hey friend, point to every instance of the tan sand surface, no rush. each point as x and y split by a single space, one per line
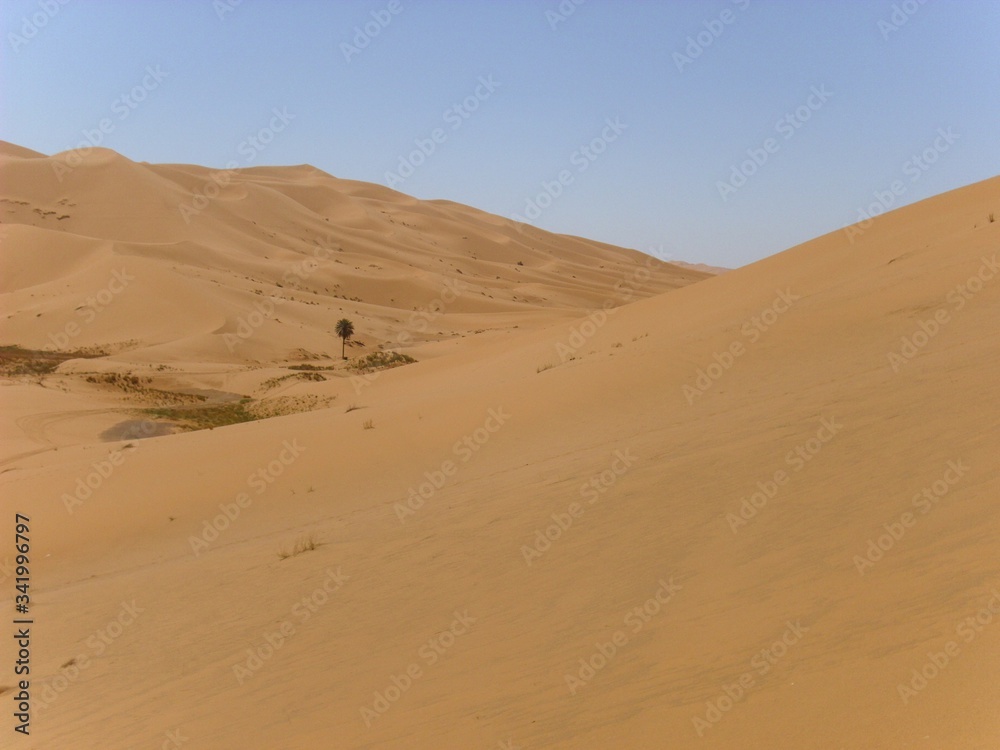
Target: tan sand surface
686 491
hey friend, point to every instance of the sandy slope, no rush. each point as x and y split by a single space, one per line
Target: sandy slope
432 626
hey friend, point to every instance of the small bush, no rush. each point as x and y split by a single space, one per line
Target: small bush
380 361
308 544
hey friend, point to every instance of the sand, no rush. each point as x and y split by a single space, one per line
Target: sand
751 503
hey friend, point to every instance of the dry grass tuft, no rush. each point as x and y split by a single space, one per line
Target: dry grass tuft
306 544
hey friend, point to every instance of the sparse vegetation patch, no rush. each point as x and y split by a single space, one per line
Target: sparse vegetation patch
16 360
275 381
204 417
380 361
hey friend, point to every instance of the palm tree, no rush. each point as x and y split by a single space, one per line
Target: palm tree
345 329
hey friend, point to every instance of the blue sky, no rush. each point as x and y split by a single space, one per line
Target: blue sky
720 131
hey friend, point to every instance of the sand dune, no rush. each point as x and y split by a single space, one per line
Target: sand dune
656 525
171 271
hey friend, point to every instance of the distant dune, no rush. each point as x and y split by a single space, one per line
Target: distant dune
217 241
189 278
714 270
757 511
